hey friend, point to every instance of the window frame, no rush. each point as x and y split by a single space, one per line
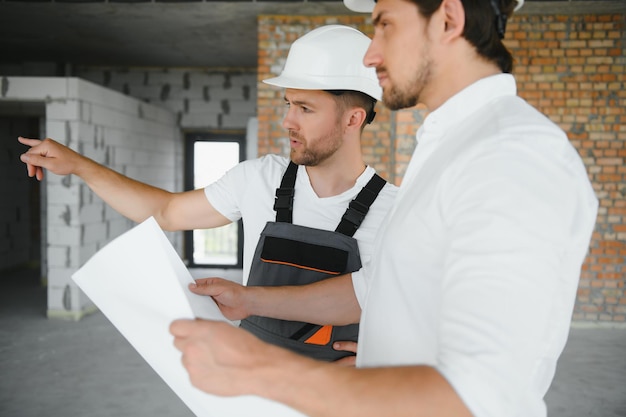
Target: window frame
237 136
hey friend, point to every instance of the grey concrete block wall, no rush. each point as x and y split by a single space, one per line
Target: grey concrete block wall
101 123
122 132
200 98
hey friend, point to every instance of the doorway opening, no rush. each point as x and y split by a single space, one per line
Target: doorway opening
22 224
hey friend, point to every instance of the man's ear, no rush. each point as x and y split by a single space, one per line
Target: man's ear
454 17
357 116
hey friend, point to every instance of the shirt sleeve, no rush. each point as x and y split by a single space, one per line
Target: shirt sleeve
225 193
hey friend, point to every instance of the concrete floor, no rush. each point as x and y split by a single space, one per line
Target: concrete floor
56 368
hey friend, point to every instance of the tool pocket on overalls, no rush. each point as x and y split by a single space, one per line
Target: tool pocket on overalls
315 262
296 255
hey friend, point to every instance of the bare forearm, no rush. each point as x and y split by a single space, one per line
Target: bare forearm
138 201
225 360
322 390
331 301
133 199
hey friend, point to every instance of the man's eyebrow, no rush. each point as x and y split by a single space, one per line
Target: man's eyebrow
376 19
297 102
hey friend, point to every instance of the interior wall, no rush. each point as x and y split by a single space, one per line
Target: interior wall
201 98
124 133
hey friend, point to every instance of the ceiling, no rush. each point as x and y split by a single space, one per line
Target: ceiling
179 34
174 33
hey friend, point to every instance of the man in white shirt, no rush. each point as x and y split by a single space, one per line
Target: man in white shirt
467 302
334 203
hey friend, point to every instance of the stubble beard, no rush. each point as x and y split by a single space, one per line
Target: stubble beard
324 147
406 95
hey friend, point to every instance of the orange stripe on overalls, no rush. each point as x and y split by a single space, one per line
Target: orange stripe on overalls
301 267
321 337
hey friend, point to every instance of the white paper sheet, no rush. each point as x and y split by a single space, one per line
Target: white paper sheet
139 283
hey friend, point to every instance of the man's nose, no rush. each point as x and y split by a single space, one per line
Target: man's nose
373 57
289 122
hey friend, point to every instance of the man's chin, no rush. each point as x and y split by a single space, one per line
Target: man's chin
395 104
394 100
295 158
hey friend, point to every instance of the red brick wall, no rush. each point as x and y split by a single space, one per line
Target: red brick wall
572 68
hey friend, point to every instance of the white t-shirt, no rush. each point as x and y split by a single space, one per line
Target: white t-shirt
476 268
248 190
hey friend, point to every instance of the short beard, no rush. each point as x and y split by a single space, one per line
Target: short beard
314 157
397 99
403 97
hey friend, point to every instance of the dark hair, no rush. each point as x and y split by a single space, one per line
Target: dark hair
351 98
485 23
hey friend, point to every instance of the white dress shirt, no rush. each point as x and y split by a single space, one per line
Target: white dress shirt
476 268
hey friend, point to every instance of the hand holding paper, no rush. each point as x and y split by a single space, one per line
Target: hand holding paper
140 284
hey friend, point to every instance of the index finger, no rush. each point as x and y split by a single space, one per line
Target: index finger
27 141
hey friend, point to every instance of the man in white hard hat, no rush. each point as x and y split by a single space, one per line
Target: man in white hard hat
316 212
470 292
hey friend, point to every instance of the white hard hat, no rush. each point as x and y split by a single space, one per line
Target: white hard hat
329 58
366 6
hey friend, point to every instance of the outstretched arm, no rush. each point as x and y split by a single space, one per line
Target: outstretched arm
227 361
131 198
331 301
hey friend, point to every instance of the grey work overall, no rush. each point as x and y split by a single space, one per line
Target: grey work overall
289 254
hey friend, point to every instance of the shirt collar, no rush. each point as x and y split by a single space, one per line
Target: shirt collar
466 101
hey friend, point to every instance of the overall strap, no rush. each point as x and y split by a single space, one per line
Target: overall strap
358 208
283 204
